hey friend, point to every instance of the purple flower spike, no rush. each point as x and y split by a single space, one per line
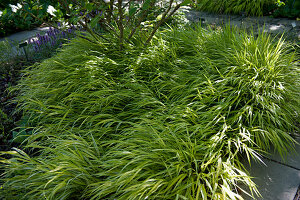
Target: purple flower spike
59 24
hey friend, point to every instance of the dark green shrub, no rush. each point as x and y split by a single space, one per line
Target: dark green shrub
23 16
290 9
163 122
5 3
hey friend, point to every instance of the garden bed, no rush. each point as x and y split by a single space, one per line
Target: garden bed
189 101
161 114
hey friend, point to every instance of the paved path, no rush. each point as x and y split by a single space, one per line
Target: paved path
272 25
24 35
291 28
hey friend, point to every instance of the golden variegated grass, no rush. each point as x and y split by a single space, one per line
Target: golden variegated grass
249 7
170 121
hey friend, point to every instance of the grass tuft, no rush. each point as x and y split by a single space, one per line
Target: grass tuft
249 7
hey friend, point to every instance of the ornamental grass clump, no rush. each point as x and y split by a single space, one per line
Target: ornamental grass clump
255 86
168 121
249 7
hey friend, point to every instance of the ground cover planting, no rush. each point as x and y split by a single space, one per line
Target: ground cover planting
171 120
13 61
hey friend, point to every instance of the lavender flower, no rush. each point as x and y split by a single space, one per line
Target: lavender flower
52 43
38 43
51 38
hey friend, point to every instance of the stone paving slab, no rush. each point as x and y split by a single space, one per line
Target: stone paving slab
276 181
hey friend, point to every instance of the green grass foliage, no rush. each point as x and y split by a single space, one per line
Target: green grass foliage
250 7
170 121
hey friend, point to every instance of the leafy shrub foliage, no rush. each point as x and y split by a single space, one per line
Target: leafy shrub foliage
290 9
169 121
20 16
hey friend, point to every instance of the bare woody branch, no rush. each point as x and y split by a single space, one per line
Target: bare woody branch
165 16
